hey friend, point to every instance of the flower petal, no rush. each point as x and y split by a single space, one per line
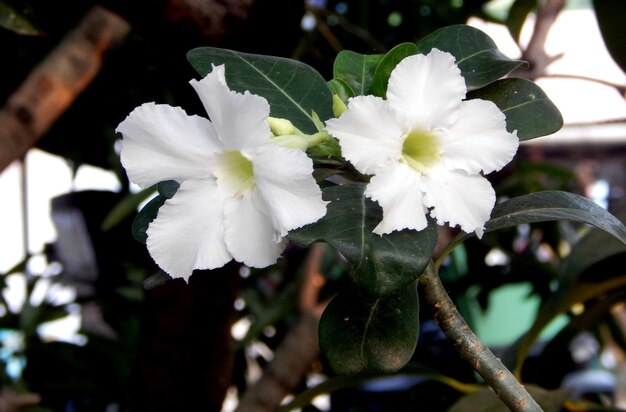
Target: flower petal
188 232
240 119
370 133
478 140
162 142
459 198
428 89
250 235
398 190
285 183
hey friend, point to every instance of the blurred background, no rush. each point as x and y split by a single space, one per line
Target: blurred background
87 323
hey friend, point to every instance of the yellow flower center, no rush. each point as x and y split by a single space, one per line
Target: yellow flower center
236 172
420 149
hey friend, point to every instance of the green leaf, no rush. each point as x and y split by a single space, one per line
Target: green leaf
293 89
357 70
546 206
358 333
155 280
611 16
387 64
145 216
165 190
477 55
341 89
12 20
517 16
381 264
554 205
586 253
526 107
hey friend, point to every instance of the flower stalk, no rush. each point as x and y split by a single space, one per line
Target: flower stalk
470 348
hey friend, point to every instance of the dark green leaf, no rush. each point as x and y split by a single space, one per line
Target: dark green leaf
526 107
477 55
554 205
547 206
357 70
586 253
293 89
517 16
611 16
381 264
358 333
145 216
157 279
12 20
387 64
167 188
341 89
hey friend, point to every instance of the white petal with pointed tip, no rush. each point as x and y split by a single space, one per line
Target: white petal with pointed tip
370 133
285 183
459 198
250 235
398 190
188 232
428 89
239 119
479 139
162 142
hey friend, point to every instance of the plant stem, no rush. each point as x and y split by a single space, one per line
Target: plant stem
507 388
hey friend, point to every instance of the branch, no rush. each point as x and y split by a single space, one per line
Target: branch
535 53
349 27
471 349
11 401
55 83
621 89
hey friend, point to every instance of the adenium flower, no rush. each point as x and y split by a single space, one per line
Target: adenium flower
239 195
426 147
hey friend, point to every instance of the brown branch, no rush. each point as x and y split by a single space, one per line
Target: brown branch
535 53
619 120
621 89
56 82
11 401
329 36
470 348
349 27
295 354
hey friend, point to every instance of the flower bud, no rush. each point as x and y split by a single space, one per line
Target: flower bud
291 141
338 106
280 126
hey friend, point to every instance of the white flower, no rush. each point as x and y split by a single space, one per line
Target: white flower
239 193
426 146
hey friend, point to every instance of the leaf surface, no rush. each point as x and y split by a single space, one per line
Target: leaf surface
293 89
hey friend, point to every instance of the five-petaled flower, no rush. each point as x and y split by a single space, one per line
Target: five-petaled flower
240 194
426 147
